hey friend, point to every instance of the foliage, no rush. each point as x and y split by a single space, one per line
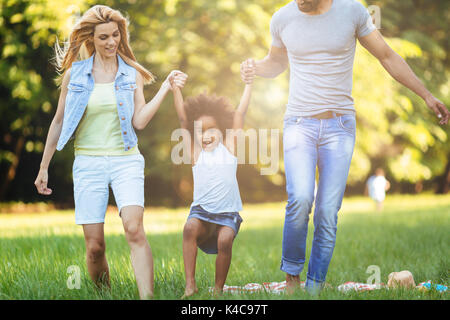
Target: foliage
208 40
28 30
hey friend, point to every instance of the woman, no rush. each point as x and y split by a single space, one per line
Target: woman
101 101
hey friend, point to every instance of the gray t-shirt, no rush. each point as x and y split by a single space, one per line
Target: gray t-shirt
321 50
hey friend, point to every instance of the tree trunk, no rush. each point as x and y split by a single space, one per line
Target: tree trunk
12 168
444 180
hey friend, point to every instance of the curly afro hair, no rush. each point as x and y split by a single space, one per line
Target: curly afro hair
210 105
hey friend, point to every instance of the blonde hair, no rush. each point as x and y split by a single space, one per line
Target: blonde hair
81 46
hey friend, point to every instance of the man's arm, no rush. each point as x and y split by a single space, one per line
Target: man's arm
400 71
271 66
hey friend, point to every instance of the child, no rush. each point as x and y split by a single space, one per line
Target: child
376 188
214 218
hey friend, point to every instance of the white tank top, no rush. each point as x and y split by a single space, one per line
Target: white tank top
215 184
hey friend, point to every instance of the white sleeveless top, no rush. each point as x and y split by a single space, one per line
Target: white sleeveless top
215 184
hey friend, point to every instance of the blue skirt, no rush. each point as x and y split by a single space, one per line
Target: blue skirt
229 219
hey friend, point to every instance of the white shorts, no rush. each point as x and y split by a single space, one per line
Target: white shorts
92 176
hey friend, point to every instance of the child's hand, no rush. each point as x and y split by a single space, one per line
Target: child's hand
176 79
248 71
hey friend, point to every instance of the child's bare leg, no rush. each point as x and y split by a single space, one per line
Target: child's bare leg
225 237
379 206
194 229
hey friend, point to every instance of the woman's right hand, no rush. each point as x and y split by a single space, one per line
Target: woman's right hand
41 182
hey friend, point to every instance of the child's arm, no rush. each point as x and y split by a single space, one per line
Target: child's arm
239 114
181 112
179 107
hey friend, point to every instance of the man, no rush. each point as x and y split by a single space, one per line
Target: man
317 38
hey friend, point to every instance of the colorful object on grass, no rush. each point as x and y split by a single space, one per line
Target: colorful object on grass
358 286
425 286
280 287
269 287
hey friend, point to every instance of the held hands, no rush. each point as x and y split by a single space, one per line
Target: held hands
176 79
41 183
248 71
439 109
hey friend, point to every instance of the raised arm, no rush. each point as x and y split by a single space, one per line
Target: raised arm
182 117
179 107
52 139
144 112
241 110
400 71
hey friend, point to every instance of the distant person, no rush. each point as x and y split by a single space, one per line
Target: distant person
376 187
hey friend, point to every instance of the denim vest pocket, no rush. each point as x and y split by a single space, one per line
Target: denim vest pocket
77 87
128 86
75 92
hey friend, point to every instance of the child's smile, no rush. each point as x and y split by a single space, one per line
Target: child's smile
207 141
207 132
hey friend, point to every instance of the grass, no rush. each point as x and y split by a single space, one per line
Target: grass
412 233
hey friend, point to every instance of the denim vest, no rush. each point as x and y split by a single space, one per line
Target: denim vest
79 90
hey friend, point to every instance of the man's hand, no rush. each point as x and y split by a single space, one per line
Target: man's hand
438 108
248 71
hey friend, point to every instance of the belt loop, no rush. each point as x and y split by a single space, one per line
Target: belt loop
334 114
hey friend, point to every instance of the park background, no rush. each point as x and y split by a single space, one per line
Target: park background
208 40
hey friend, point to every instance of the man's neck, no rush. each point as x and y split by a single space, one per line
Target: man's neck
322 7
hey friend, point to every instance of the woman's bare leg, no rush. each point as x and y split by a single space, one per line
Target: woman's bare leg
95 254
194 230
225 237
141 253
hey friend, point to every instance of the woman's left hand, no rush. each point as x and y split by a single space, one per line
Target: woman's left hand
176 78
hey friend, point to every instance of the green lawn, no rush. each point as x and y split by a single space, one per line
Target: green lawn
412 233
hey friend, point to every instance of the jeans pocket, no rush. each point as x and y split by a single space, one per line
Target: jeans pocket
290 138
293 120
347 123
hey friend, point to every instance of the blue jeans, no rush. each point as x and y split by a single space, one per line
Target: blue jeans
307 143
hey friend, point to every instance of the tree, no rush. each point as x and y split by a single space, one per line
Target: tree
28 31
208 40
